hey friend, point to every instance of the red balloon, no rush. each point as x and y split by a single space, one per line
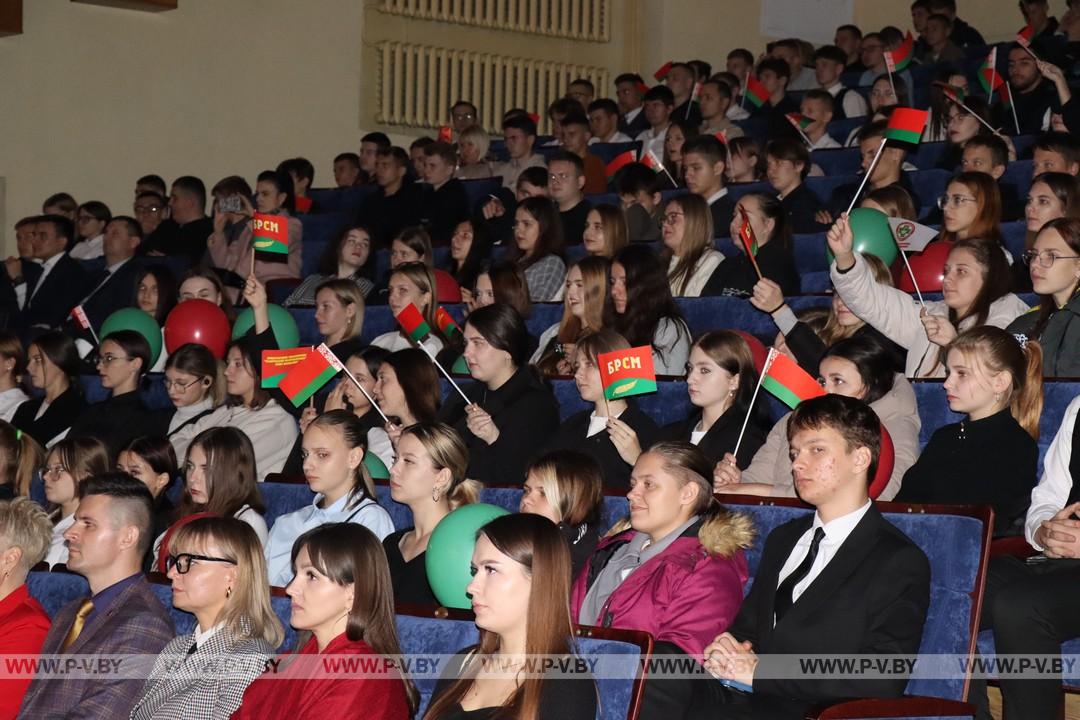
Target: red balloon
928 268
886 460
200 322
757 349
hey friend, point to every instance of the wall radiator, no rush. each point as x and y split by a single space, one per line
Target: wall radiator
571 19
419 83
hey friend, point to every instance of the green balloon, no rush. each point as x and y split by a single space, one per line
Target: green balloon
873 235
376 468
281 322
460 366
139 321
450 549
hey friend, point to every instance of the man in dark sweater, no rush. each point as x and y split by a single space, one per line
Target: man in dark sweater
566 181
1034 97
774 74
787 167
396 204
185 233
963 35
446 203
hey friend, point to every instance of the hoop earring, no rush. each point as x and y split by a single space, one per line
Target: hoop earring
228 592
436 494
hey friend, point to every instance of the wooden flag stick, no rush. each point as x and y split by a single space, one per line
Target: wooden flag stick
866 177
973 114
445 374
360 387
657 160
1012 106
753 398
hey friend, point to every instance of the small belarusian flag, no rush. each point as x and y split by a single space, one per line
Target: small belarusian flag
270 234
376 468
953 92
756 92
901 57
696 91
446 134
618 163
1024 36
663 71
79 316
276 364
535 117
989 77
749 240
790 384
627 372
303 204
799 120
642 88
413 323
911 236
307 377
906 125
446 323
721 136
652 162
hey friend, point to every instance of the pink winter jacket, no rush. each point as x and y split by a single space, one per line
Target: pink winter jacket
686 595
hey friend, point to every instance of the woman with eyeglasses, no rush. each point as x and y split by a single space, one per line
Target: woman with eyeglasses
68 463
123 360
975 288
1054 265
961 126
90 221
218 575
53 364
687 234
195 385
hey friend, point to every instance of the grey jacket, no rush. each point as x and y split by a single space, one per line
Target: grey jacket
1060 339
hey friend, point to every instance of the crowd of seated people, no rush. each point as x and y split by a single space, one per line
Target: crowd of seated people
99 479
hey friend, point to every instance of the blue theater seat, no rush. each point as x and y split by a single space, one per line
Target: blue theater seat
839 130
927 155
319 231
1014 234
479 190
840 161
340 200
1018 174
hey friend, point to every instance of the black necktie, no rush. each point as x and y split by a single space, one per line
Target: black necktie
783 601
191 650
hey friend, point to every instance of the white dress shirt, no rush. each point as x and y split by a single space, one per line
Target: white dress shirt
1052 492
836 532
58 552
651 140
616 137
10 400
89 249
854 103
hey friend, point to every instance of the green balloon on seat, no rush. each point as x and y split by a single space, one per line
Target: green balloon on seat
139 321
376 468
873 235
450 549
281 322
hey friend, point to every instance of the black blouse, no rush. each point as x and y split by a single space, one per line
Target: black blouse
614 470
722 436
408 577
57 418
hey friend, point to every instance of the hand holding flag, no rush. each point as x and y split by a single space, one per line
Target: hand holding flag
905 125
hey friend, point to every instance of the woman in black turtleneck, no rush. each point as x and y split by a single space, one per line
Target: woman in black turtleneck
511 412
991 456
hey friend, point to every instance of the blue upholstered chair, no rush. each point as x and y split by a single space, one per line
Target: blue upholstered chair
620 653
319 231
281 498
340 200
838 161
957 541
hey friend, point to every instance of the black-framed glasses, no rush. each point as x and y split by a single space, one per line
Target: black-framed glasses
181 386
182 562
1045 258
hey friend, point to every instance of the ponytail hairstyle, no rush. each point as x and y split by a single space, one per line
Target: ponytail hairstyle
448 452
1069 229
995 350
354 434
20 458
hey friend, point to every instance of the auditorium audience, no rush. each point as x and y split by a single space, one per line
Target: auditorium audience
413 244
24 539
195 386
341 596
605 231
412 283
121 617
565 486
538 241
995 380
67 465
54 367
333 457
156 292
613 431
774 258
519 596
216 569
90 221
510 412
704 160
428 476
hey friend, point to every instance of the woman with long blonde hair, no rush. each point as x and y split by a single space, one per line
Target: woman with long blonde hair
583 312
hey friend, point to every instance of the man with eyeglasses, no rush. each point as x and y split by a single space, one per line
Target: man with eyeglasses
462 115
566 183
122 616
150 210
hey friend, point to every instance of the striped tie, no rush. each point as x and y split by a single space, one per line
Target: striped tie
77 625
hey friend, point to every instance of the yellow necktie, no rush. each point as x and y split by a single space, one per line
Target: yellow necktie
77 625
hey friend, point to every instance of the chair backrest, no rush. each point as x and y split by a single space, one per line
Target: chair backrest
620 654
283 498
54 590
956 540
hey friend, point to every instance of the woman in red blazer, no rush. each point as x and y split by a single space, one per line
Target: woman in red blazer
342 596
25 533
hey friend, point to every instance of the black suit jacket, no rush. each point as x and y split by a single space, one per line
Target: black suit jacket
636 127
615 470
118 291
9 304
871 598
57 418
61 290
723 210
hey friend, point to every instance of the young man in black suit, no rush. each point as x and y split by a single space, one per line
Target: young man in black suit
114 286
62 282
842 581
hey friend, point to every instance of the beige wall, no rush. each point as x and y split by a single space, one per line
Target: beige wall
94 97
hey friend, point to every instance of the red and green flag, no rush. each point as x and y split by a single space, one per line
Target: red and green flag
78 314
276 364
749 240
652 162
303 204
624 373
663 71
1024 36
270 234
722 137
906 125
618 163
952 92
642 88
535 117
696 91
787 381
989 77
308 376
799 120
756 92
901 57
446 134
446 323
413 323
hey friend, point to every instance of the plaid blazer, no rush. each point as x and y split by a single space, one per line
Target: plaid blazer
134 623
206 685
